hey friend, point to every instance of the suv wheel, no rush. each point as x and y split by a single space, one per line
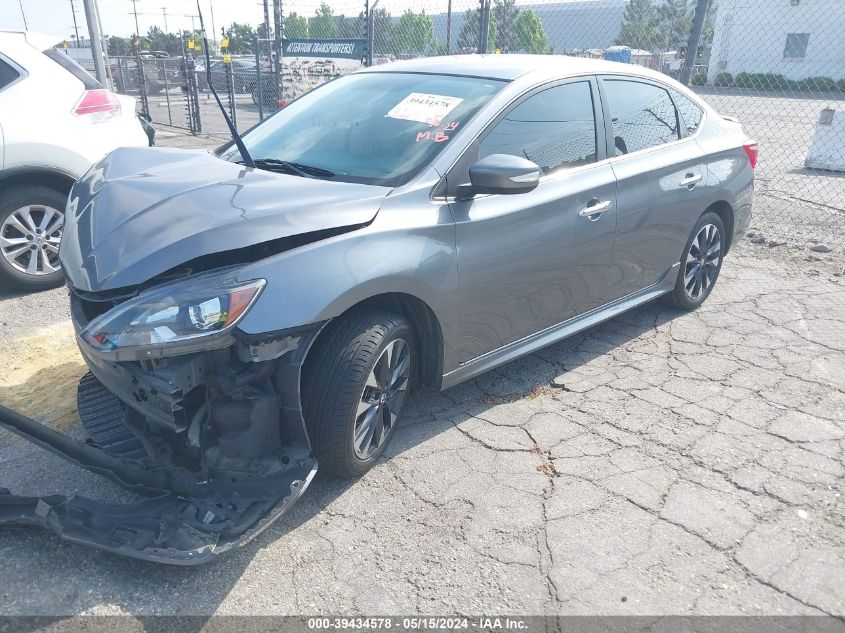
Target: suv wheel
353 387
700 263
31 221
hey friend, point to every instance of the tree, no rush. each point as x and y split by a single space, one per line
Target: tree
414 33
351 27
531 35
322 25
470 29
296 27
639 25
241 38
384 32
120 45
506 16
674 22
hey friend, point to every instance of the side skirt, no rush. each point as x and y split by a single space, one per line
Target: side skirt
555 333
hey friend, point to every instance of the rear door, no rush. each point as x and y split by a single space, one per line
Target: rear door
532 260
10 73
658 166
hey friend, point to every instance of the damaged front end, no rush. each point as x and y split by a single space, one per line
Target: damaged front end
181 407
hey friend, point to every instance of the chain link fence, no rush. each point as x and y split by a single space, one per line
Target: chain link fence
776 65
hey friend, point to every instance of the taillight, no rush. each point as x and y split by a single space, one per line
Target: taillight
751 151
94 101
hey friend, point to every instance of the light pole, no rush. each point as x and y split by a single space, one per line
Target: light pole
96 41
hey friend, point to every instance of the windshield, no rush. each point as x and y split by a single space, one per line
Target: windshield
373 128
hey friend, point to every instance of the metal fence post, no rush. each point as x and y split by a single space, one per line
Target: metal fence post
123 87
230 85
694 40
167 92
259 89
142 83
369 23
484 22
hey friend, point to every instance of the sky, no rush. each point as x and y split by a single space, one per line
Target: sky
56 17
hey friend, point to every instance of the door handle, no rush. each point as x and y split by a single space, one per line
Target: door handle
595 208
690 179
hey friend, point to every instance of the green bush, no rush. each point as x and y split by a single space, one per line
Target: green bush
724 79
821 84
699 79
841 85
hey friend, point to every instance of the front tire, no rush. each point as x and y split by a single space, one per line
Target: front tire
354 385
701 263
31 221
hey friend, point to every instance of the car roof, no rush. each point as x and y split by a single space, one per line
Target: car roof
41 41
511 66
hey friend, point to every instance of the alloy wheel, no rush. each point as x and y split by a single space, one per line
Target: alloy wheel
29 239
702 263
382 398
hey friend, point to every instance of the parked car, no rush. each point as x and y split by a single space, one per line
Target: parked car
243 73
160 74
243 323
56 120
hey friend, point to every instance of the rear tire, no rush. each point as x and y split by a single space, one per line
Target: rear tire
352 395
701 263
14 228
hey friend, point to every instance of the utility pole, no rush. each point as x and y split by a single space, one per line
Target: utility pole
213 28
267 19
26 26
137 28
694 40
96 41
164 13
75 27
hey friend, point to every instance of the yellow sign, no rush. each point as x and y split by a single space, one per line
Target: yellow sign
227 59
191 44
65 44
224 42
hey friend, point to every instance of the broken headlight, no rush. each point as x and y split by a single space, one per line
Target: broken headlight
179 317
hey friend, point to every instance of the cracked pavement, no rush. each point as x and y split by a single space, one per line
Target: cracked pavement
660 463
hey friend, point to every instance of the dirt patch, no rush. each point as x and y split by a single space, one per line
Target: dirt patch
38 377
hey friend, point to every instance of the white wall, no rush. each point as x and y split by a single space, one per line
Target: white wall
750 37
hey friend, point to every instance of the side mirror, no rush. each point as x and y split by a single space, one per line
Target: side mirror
504 174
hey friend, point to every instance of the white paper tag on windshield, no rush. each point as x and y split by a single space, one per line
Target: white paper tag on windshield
424 108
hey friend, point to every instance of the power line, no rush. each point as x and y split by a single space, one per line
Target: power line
23 15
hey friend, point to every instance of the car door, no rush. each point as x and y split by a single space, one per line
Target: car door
529 261
9 74
658 168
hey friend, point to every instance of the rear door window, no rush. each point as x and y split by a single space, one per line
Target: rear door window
689 111
70 65
643 115
554 128
8 74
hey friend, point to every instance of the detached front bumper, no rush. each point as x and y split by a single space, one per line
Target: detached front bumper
215 440
187 521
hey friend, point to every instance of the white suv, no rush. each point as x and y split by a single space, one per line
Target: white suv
56 120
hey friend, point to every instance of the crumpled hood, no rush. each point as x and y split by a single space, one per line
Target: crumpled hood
141 212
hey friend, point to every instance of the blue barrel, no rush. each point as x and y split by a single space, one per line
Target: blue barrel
618 54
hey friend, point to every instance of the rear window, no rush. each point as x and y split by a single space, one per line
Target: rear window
69 64
7 74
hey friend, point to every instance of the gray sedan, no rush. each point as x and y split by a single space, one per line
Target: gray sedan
249 315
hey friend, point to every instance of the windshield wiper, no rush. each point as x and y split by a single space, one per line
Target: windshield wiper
306 171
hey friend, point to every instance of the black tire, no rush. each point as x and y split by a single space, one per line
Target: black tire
334 381
11 200
681 297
